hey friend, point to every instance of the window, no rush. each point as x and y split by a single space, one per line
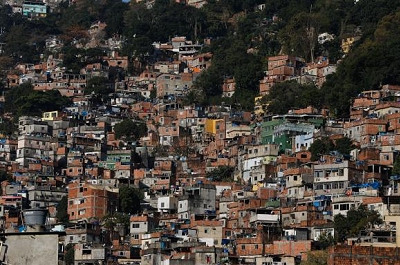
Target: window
162 205
243 247
135 225
318 174
206 231
86 252
295 178
136 236
255 246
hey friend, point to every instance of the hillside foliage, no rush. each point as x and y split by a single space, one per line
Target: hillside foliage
243 36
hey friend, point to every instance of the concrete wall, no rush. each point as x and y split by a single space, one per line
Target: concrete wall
32 249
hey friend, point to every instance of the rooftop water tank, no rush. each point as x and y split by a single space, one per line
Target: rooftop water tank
35 219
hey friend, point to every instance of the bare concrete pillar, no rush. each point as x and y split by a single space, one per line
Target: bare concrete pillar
395 219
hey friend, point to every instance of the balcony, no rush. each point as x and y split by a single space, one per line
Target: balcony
264 218
333 177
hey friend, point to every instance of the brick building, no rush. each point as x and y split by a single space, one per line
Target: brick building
87 201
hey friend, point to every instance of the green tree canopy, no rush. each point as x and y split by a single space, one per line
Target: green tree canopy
4 175
357 220
23 100
111 221
99 87
292 95
130 198
344 145
320 147
325 146
62 207
363 68
221 173
69 257
8 127
130 130
396 166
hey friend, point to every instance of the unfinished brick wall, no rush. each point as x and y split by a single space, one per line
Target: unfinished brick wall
363 255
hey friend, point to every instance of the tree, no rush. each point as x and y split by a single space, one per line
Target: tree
69 257
344 145
396 166
62 210
129 130
114 17
363 69
292 95
354 222
7 127
130 198
116 220
99 87
23 100
325 240
320 147
300 34
221 173
4 176
317 257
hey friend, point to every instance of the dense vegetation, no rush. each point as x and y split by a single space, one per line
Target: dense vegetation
24 100
242 37
129 130
357 221
323 146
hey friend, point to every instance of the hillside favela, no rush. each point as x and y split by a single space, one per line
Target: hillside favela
196 132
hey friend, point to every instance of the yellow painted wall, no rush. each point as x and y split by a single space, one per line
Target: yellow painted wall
211 125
